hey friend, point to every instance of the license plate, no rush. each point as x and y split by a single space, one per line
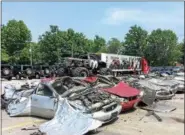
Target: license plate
115 114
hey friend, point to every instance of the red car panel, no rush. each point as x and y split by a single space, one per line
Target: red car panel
130 104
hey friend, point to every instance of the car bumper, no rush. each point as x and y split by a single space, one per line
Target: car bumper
107 116
130 104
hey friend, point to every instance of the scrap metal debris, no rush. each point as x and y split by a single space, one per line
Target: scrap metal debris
155 115
159 107
38 133
78 106
76 123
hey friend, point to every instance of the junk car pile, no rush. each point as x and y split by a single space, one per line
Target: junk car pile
87 103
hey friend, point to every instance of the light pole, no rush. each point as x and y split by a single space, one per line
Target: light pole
72 51
31 59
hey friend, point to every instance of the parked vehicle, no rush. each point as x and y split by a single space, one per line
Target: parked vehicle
82 66
42 71
25 71
6 71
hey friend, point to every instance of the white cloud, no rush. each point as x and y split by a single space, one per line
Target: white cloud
149 19
116 16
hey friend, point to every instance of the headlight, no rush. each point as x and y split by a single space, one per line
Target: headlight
123 99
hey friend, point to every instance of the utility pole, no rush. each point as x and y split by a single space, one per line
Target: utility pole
72 51
31 60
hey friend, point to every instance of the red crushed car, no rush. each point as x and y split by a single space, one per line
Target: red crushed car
128 96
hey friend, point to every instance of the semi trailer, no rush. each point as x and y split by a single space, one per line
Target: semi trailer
125 63
104 64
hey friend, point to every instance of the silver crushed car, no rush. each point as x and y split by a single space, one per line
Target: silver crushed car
43 100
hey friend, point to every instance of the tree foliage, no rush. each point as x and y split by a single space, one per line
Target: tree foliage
55 44
114 46
136 41
160 47
99 44
15 36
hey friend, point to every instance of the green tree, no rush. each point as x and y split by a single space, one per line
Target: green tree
50 43
181 48
114 46
136 41
31 50
162 49
4 55
99 44
15 35
55 44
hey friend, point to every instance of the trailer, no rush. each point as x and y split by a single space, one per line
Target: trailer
124 64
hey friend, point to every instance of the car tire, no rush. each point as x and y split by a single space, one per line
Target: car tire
53 75
37 76
61 72
105 71
28 71
46 71
6 71
80 72
18 77
29 77
164 95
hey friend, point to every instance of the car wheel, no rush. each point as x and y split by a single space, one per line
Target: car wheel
37 76
28 71
17 77
53 75
80 72
105 71
61 71
164 95
46 71
29 77
6 71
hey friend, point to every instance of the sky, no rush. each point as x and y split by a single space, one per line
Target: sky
106 19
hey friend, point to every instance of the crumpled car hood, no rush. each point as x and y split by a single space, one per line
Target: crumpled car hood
123 90
68 121
157 84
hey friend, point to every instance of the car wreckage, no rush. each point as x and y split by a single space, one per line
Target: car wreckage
79 105
129 97
43 100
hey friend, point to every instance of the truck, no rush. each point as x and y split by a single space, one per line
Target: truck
102 63
6 70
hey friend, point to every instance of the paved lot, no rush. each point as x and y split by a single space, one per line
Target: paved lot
129 123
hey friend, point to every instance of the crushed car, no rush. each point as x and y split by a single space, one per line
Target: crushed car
43 100
127 95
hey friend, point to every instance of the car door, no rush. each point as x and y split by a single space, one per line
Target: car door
43 102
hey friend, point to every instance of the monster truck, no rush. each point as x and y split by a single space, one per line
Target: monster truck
83 66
